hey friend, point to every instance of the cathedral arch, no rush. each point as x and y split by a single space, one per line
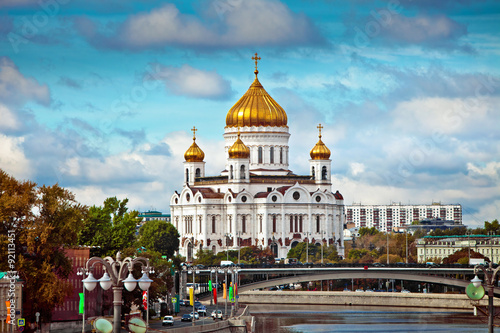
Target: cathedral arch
324 172
294 244
187 175
198 172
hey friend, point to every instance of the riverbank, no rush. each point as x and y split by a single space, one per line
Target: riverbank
384 299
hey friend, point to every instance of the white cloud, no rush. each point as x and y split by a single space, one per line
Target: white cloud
12 158
490 170
357 168
15 88
193 82
8 119
250 23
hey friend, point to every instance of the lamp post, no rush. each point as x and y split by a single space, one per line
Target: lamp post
307 233
387 232
114 275
227 246
322 233
239 247
193 271
82 271
490 275
469 232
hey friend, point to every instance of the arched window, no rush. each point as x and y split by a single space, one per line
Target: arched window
271 154
242 172
231 172
281 155
213 224
274 223
291 223
313 173
317 223
323 173
187 176
244 224
198 172
260 154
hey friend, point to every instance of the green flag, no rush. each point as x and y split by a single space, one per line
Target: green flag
82 303
209 285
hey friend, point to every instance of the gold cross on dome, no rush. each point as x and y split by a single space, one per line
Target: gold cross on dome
194 132
320 128
256 58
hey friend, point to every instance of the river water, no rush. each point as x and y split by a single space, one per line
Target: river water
323 318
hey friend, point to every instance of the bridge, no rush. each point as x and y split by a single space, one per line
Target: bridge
265 277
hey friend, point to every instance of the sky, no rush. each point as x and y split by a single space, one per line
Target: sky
100 96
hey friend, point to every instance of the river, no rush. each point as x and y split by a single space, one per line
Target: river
323 318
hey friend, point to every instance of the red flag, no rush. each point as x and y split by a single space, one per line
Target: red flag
145 300
235 289
215 295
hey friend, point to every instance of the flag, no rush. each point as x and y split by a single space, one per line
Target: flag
224 293
209 285
191 296
215 296
145 300
235 290
82 303
231 297
7 304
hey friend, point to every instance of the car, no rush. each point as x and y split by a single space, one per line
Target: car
186 317
202 310
195 314
405 291
360 291
187 302
217 314
168 320
197 304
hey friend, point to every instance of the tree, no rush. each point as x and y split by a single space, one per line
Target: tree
458 257
159 236
109 229
44 221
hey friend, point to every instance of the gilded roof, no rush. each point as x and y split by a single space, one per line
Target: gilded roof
320 151
239 149
194 153
256 108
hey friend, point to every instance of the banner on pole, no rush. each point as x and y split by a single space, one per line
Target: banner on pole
191 296
224 292
145 300
81 308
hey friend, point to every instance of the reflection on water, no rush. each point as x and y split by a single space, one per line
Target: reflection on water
322 318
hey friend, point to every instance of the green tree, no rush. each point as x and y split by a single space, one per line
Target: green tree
494 226
45 220
159 236
109 228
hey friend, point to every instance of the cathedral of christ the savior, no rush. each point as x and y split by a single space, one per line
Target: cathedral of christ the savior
257 200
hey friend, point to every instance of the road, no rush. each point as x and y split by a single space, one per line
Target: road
157 324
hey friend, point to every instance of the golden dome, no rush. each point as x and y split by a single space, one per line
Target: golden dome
320 151
194 153
256 107
238 149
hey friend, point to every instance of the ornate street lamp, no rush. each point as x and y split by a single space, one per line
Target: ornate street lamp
490 276
114 276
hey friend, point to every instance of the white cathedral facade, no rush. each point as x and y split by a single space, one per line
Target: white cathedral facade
257 200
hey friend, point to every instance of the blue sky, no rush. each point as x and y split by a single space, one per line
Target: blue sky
100 97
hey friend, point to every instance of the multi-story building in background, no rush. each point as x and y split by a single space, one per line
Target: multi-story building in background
388 217
431 248
153 215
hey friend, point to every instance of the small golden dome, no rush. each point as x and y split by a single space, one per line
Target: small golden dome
238 149
256 107
320 151
194 153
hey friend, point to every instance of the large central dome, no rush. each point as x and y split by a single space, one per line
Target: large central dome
256 108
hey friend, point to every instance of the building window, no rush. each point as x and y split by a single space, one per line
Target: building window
313 173
187 176
231 172
291 223
243 224
213 224
281 155
271 154
274 223
296 223
260 154
260 223
214 249
317 223
198 172
323 173
199 224
300 223
242 172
